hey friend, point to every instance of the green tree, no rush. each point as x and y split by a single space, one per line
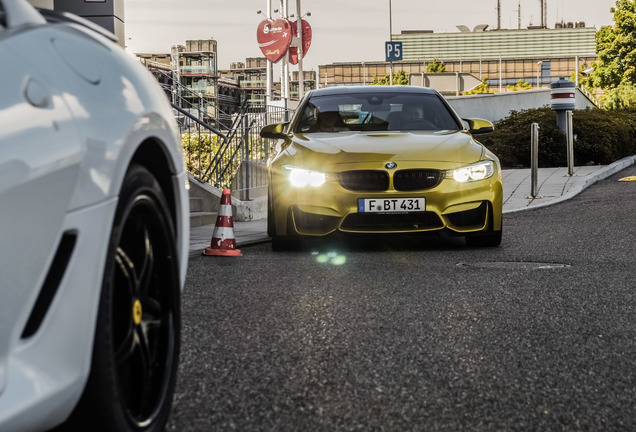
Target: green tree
399 78
435 66
520 85
620 97
616 48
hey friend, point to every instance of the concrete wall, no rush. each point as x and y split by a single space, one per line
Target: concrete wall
253 175
495 106
254 209
445 82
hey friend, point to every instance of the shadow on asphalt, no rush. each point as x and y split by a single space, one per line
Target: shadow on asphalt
381 243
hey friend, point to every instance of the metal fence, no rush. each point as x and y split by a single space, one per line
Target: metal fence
215 156
213 151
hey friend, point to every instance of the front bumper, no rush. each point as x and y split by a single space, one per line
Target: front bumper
462 208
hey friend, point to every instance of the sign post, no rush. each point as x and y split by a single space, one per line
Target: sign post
393 51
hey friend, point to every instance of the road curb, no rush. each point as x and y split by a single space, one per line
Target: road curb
579 187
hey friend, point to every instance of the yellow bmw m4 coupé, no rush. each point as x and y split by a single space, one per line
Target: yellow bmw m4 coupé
381 160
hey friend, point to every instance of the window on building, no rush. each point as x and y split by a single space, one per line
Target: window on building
545 69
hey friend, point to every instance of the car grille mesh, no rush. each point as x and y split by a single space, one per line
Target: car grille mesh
403 180
416 179
369 222
364 180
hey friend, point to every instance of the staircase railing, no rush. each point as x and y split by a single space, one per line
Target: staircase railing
243 144
591 96
214 150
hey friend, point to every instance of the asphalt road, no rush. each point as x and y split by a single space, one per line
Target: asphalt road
538 334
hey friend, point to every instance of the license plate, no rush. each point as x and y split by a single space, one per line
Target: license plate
391 205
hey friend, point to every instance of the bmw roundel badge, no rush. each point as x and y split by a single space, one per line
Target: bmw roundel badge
390 165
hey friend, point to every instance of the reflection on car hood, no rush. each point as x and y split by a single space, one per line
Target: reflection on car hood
456 147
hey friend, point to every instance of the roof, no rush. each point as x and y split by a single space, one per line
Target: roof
338 90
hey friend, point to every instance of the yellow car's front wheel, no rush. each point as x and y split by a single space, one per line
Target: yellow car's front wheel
279 243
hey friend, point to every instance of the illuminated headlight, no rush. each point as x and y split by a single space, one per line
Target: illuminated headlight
478 171
301 177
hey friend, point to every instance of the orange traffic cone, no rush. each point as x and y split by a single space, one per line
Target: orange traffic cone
223 242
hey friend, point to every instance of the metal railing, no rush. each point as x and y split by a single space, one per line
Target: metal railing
591 96
216 143
202 88
202 70
243 144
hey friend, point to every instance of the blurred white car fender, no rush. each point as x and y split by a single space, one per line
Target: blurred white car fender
80 122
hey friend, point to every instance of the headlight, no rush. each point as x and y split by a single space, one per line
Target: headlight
301 177
474 172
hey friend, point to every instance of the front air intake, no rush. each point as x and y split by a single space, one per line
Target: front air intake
51 284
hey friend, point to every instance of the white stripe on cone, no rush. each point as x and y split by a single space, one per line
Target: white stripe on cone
225 210
223 233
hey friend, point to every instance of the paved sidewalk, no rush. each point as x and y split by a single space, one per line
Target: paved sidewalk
554 185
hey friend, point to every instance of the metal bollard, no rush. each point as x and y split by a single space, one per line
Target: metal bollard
534 158
569 139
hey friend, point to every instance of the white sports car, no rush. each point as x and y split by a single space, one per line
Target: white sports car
93 230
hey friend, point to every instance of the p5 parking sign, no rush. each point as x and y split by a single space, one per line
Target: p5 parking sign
393 51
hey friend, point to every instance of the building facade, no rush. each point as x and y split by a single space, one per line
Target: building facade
194 65
198 73
216 95
309 83
502 57
251 78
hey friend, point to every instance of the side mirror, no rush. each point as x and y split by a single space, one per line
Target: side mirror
479 126
274 131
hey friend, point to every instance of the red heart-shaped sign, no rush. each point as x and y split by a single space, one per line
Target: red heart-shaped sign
274 37
293 51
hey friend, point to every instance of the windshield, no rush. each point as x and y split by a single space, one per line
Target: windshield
376 112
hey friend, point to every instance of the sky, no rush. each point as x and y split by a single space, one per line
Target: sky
343 30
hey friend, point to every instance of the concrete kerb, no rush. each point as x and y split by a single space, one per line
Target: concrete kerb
579 187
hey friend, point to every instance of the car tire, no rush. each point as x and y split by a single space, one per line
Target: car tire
137 337
492 239
279 243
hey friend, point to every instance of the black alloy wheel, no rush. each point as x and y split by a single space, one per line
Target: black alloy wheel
137 339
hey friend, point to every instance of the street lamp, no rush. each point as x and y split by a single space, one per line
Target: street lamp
269 69
539 63
390 39
390 23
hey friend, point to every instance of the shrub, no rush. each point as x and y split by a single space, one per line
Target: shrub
601 137
511 139
198 149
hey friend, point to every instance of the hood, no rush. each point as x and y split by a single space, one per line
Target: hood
345 147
